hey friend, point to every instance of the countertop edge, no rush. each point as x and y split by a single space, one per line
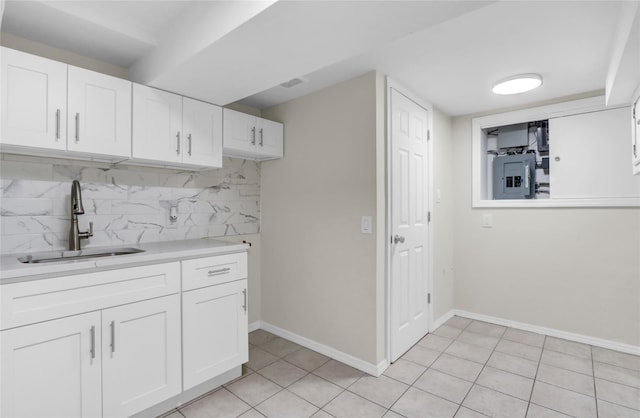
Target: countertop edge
155 253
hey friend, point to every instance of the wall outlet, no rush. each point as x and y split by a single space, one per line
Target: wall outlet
173 217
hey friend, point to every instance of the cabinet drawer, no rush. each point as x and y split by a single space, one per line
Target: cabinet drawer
42 300
209 271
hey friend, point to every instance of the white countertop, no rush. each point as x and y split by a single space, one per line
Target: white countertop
12 270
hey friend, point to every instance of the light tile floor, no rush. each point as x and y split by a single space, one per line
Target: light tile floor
464 369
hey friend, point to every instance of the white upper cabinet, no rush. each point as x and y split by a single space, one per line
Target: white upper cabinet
250 137
175 131
34 101
50 108
99 113
157 125
202 130
269 138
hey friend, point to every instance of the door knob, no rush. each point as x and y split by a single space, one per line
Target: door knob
398 239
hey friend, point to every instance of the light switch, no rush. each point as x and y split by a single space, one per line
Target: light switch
487 220
366 225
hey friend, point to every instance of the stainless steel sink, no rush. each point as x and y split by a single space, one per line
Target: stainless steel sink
51 256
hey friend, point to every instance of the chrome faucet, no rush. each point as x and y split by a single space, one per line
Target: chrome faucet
77 209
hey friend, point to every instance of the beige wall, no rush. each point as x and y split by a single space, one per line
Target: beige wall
575 270
443 243
319 277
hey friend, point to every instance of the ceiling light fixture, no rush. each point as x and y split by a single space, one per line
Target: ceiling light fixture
517 84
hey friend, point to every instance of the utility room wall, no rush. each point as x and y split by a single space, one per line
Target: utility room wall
570 269
319 272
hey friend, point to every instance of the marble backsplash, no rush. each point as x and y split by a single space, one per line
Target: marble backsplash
127 204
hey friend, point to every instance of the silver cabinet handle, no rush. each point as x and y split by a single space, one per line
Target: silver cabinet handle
189 139
261 137
77 127
57 124
113 336
178 143
253 135
244 292
93 342
219 271
398 239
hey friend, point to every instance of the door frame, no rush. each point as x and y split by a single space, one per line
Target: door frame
394 85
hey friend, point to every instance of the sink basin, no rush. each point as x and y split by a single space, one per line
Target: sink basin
51 256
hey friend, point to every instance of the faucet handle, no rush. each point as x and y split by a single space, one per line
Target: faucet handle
87 234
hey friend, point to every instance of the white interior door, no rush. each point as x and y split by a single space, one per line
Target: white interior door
409 319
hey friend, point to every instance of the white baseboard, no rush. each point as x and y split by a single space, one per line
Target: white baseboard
598 342
254 326
444 318
365 366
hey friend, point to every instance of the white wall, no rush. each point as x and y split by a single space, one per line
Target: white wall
575 270
319 277
21 44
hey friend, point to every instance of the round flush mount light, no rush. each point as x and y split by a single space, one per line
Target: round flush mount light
517 84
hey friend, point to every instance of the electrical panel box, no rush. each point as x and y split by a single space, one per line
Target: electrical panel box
513 136
514 176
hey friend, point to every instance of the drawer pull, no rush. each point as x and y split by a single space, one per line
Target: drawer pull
93 342
219 271
113 337
57 124
244 292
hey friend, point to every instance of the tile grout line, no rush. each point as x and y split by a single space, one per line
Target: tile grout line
470 387
595 388
478 376
535 376
422 374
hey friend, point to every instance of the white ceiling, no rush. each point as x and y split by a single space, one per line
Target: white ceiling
447 52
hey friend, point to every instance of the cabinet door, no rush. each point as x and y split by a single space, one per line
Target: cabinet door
99 110
239 131
34 101
215 331
270 139
52 369
589 156
202 128
157 125
141 355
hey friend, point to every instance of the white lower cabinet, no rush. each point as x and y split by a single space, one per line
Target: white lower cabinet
115 343
52 369
140 355
215 331
112 363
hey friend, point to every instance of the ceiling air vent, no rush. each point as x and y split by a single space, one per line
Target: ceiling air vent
293 82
